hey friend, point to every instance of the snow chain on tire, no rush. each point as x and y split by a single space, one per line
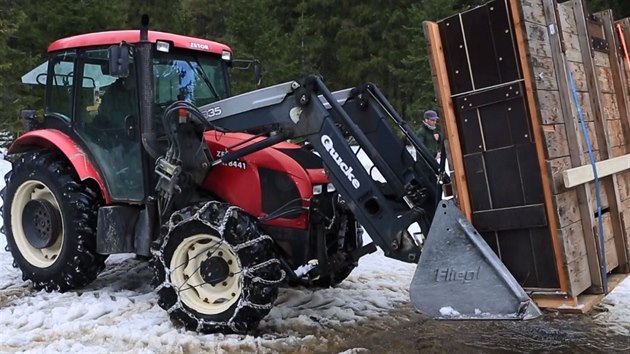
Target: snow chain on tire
233 232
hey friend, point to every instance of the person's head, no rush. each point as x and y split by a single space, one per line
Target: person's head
430 118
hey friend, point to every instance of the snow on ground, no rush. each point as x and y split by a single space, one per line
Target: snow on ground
119 312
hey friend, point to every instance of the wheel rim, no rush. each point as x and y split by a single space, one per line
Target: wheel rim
196 290
26 192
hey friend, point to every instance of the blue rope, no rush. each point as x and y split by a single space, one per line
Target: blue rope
602 265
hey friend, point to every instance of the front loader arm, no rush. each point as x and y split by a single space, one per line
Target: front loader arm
308 110
458 275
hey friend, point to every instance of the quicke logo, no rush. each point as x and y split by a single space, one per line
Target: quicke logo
347 170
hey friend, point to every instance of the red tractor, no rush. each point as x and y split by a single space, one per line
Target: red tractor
142 149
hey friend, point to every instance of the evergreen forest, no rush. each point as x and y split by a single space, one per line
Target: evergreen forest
347 42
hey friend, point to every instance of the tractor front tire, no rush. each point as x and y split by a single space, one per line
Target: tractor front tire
214 269
50 222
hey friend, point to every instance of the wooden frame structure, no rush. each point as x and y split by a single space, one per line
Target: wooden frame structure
561 51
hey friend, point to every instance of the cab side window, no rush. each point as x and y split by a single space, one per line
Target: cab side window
60 83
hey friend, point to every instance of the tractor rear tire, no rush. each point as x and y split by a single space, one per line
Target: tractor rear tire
50 222
214 270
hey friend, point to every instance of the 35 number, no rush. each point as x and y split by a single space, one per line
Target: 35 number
213 112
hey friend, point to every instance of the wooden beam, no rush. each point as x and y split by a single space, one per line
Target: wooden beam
583 174
574 304
443 91
521 46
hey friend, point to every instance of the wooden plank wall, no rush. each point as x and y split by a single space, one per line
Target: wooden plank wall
558 37
624 64
556 50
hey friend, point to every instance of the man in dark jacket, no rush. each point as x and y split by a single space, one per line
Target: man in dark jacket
429 134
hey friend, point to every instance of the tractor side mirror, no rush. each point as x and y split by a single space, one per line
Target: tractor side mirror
258 72
249 64
119 60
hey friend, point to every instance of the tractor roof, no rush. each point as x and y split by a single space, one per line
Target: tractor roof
133 36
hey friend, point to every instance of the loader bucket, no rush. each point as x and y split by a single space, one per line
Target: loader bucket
460 277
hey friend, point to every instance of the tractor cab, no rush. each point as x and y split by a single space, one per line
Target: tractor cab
95 95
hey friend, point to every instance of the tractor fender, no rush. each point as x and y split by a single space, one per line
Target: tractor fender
52 138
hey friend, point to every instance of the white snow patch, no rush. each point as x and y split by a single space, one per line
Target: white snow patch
448 311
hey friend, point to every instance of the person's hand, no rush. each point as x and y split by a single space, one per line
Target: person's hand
436 136
438 155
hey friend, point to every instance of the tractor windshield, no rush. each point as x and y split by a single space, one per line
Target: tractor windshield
190 76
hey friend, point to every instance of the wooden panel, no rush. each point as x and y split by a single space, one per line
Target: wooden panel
585 98
504 180
550 107
480 50
616 137
454 47
578 271
557 167
521 217
503 40
574 247
604 76
470 126
537 40
476 177
531 78
496 127
520 128
611 108
556 140
532 11
568 208
572 49
545 75
579 76
538 271
489 96
530 173
544 257
566 17
612 257
515 250
489 44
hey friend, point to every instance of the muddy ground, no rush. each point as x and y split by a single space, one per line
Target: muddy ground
405 331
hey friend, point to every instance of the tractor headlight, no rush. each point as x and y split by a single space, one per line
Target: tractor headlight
318 189
330 188
163 47
226 55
